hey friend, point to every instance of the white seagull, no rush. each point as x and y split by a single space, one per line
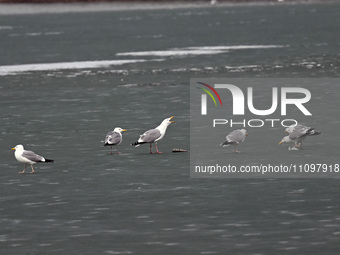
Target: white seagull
114 138
28 157
154 135
235 137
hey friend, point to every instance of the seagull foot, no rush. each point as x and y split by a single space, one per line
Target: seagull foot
21 172
237 151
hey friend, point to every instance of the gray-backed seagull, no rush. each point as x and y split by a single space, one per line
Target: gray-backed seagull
235 137
154 135
28 157
114 138
297 134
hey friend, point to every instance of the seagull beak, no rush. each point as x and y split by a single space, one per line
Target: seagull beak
124 130
13 149
172 120
280 142
246 134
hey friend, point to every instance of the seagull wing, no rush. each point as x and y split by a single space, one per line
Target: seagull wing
150 136
236 136
299 133
30 155
113 138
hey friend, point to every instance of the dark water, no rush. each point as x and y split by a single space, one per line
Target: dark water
90 202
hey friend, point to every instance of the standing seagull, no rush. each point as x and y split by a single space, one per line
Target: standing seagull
154 135
28 157
235 137
114 138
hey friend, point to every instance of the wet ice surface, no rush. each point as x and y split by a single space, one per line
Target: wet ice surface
90 202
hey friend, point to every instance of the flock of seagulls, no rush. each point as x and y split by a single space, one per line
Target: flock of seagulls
150 136
296 134
113 138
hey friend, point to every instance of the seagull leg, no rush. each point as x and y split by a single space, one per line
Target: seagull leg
297 145
117 150
157 149
23 171
236 148
111 150
32 170
150 148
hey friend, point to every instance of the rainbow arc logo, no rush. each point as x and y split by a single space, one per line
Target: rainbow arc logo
204 97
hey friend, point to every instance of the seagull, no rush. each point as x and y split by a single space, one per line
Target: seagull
114 138
154 135
28 157
298 133
235 137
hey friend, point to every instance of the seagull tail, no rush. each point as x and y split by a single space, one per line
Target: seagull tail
49 160
225 144
314 132
136 144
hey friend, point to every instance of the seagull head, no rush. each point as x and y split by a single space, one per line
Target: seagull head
19 147
118 129
244 131
168 121
285 139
